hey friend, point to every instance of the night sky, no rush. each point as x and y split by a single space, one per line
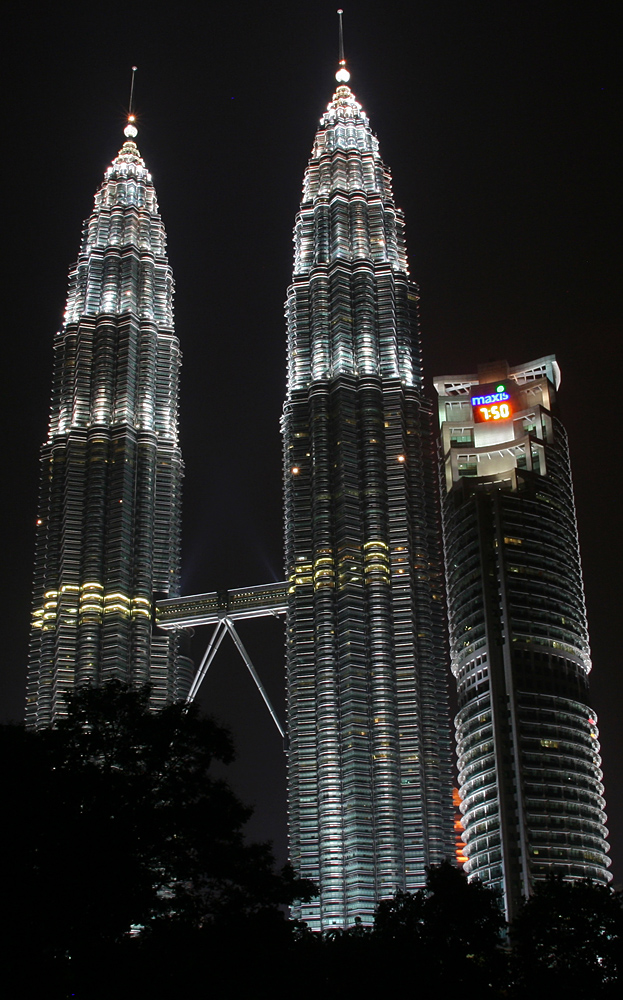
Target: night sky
499 121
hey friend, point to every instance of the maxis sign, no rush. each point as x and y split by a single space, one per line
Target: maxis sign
494 403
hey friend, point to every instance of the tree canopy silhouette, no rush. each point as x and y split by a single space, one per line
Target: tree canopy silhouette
120 829
125 872
452 928
568 941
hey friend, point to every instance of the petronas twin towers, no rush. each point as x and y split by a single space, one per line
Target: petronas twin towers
369 762
369 748
108 528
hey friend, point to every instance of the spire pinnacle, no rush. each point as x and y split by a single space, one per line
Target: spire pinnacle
342 75
131 130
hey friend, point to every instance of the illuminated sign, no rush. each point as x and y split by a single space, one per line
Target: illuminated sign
497 411
493 404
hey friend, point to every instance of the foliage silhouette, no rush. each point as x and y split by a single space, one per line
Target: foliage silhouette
452 928
567 941
118 823
126 873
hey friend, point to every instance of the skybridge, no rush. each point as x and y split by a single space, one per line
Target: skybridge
222 608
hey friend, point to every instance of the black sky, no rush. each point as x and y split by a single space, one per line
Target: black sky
500 123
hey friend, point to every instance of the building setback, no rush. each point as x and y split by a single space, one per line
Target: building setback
108 528
370 793
527 740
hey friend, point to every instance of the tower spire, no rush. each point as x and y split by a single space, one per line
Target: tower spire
131 130
342 75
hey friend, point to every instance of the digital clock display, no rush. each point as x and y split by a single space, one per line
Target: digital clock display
497 411
493 404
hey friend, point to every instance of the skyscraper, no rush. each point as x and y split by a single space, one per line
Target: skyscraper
528 750
108 530
370 794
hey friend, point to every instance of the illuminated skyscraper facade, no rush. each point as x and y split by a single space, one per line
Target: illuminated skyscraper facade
370 793
108 530
527 740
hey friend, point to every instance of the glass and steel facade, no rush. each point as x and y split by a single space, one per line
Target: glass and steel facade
370 792
108 527
527 740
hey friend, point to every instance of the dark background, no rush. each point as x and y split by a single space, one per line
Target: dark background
499 121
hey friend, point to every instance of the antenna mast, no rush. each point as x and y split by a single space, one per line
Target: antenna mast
131 130
342 75
134 69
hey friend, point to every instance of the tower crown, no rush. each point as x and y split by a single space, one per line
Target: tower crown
128 163
122 266
127 181
344 125
348 228
344 102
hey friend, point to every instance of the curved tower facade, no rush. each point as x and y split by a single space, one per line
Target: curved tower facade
527 741
370 796
108 529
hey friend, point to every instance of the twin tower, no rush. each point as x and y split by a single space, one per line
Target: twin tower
369 745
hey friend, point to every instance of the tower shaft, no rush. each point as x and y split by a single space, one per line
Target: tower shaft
527 741
108 530
369 745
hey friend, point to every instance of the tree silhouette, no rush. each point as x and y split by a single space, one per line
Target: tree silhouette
125 872
567 941
119 831
452 929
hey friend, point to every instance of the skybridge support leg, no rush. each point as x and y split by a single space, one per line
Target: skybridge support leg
245 656
217 637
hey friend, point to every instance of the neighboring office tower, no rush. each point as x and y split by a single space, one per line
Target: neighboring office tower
108 530
370 791
529 765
